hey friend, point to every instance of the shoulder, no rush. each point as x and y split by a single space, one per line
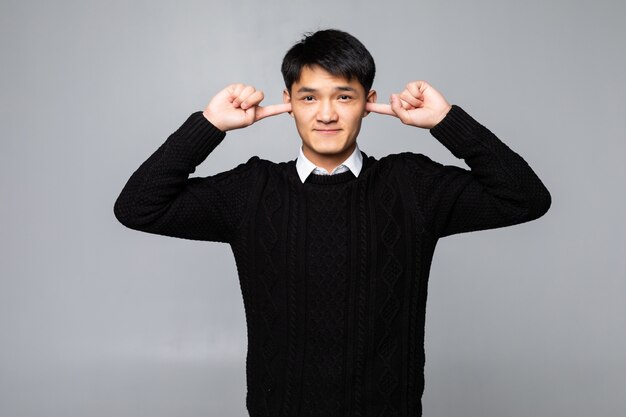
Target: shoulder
244 170
411 163
268 166
260 168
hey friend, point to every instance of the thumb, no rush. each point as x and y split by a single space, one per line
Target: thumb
397 108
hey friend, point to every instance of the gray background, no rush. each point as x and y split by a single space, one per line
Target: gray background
99 320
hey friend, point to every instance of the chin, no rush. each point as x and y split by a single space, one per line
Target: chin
330 150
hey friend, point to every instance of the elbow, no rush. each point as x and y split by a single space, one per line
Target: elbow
120 213
134 215
123 213
539 203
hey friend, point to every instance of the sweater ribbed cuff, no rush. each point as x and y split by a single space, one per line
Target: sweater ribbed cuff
200 135
456 130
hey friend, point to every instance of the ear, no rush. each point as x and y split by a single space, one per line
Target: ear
371 98
287 99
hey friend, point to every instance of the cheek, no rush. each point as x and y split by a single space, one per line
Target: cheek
352 117
302 114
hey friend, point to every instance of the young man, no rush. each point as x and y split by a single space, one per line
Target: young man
333 249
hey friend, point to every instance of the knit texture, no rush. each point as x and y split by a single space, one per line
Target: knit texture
333 271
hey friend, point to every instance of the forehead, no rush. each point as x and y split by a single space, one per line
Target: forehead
317 78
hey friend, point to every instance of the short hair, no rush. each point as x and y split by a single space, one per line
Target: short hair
337 52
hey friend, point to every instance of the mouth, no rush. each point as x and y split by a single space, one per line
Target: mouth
327 131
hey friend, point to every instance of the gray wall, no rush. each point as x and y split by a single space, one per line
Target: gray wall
99 320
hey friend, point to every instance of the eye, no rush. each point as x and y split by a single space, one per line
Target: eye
344 97
308 98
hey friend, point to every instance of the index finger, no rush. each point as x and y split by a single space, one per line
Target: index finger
380 108
272 110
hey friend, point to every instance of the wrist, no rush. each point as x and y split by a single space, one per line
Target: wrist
442 115
211 120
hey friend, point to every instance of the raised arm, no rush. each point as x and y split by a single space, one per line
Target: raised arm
160 197
500 189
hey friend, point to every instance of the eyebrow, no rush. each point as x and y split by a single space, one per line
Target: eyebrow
313 90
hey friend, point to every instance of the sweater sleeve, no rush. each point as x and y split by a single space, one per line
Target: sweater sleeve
500 189
160 197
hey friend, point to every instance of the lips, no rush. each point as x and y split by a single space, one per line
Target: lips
327 131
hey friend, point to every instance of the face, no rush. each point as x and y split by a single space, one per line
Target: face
328 111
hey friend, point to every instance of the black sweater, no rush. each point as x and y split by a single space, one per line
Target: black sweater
333 272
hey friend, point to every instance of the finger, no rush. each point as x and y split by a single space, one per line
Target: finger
244 94
272 110
252 100
234 90
405 105
380 108
400 112
417 88
409 98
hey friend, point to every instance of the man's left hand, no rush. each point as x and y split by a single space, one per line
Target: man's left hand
418 105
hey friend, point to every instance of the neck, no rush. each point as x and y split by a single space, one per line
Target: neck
329 162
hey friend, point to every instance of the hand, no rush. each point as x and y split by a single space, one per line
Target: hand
237 106
418 105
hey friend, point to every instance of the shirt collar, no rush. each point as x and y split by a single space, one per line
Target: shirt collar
305 167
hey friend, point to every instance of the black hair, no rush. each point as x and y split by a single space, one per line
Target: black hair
337 52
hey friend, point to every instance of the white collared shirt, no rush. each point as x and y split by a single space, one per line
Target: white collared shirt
306 167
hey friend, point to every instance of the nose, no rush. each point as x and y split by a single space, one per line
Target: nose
326 112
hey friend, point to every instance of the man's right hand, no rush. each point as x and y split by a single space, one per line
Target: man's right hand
237 106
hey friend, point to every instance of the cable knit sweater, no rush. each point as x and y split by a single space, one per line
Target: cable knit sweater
333 271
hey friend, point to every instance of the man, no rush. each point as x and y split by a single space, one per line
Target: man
333 249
